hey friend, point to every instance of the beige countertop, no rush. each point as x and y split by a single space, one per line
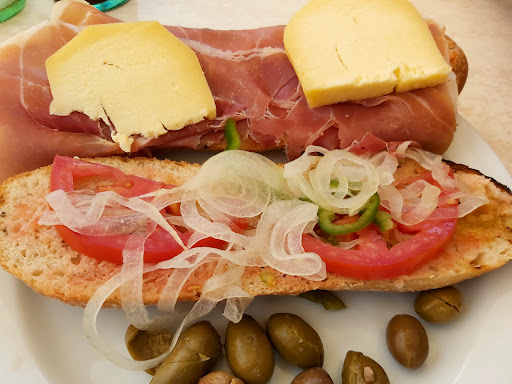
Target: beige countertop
483 28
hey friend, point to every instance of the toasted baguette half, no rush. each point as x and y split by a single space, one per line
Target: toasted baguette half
37 255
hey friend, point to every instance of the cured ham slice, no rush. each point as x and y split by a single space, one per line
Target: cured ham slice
250 77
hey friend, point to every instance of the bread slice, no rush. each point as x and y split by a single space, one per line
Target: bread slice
36 254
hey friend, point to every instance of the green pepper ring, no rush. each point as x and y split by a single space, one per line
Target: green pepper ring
369 211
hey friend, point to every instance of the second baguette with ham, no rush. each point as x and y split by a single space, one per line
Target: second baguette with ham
251 80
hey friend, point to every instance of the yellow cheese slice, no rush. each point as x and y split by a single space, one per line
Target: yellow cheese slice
137 77
357 49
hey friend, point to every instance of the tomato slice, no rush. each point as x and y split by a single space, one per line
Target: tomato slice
371 259
70 174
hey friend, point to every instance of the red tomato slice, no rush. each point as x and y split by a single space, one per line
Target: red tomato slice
68 174
372 260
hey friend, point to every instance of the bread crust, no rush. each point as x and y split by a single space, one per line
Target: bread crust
36 254
458 62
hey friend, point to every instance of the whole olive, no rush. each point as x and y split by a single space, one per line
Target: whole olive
295 340
145 345
439 305
315 375
407 341
249 352
360 369
220 377
195 353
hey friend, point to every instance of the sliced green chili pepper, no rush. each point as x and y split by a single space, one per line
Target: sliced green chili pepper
231 135
328 299
383 221
369 211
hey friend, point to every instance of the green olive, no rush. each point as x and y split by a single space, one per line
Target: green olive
295 340
328 299
360 369
145 345
315 375
407 341
220 377
195 353
439 305
249 352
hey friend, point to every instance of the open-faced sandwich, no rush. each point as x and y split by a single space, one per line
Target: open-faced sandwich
397 220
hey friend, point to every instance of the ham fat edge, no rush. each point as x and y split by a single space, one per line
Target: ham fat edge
257 87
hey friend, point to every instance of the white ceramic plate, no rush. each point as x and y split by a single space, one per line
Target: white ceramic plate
41 340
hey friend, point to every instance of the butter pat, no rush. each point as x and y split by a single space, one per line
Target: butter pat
137 77
357 49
